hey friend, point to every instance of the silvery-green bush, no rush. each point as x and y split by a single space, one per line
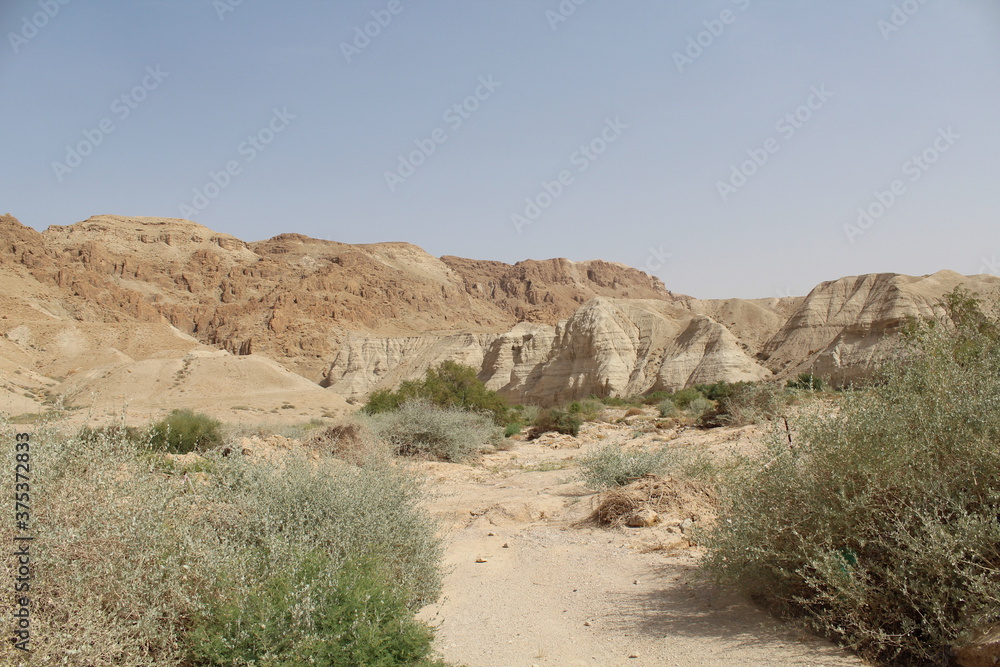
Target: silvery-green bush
140 560
418 427
879 525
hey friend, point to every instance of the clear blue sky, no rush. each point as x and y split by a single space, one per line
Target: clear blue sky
663 119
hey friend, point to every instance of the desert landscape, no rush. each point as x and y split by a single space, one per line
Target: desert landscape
139 316
291 345
389 333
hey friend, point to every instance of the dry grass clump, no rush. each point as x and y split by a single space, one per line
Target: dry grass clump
663 495
351 441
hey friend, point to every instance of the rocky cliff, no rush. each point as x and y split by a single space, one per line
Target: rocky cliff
114 292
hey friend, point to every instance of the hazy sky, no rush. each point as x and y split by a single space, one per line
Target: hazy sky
725 146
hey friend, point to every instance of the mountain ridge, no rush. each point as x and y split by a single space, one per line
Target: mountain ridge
355 318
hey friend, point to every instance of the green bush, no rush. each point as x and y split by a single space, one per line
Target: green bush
589 410
684 397
184 431
252 627
622 402
808 382
613 466
694 407
716 391
879 524
447 385
668 408
252 562
419 427
699 406
558 421
656 397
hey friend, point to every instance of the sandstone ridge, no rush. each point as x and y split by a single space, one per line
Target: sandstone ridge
87 306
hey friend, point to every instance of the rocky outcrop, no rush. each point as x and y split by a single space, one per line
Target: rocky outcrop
840 329
607 347
112 289
293 298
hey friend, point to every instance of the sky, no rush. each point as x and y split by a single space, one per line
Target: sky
732 148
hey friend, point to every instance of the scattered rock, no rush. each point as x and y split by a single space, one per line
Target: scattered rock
643 518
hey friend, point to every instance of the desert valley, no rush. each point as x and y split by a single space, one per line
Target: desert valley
578 545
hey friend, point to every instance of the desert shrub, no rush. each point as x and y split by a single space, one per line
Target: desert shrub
613 466
556 420
634 412
808 382
699 406
622 401
184 431
683 397
143 568
616 504
419 427
447 385
518 417
747 403
252 628
111 431
693 408
667 408
350 440
512 428
716 391
524 414
879 524
656 397
588 409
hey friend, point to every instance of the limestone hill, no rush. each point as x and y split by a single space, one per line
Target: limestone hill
160 313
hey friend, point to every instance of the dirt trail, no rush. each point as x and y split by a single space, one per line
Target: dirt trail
554 592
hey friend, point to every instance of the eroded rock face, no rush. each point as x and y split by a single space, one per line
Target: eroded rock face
840 328
365 317
607 347
293 298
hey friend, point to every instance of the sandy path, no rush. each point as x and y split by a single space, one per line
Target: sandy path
563 594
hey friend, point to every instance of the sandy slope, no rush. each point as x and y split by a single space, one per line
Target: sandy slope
553 591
